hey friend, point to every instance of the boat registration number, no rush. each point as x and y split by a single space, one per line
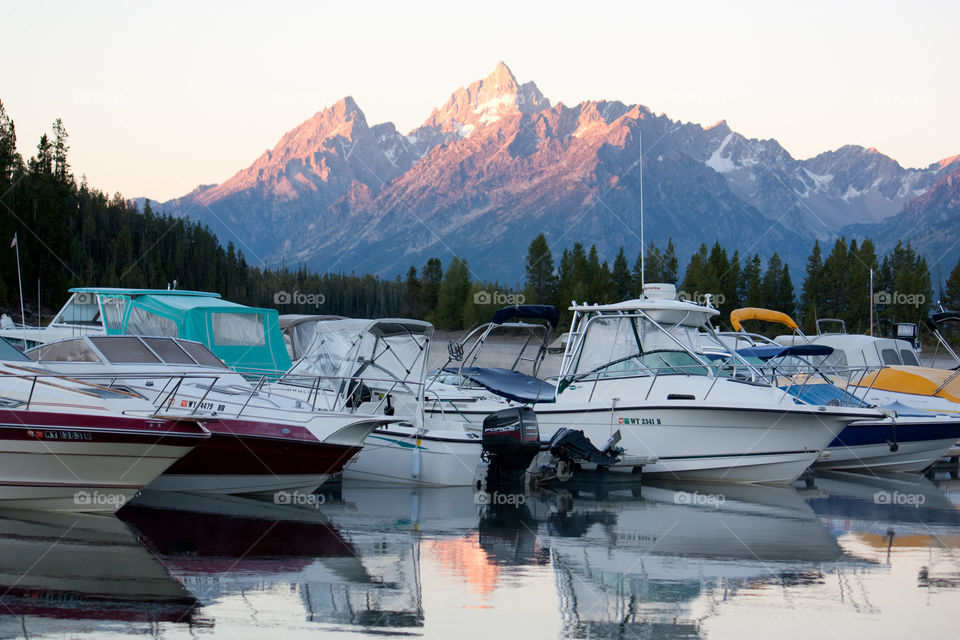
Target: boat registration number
60 435
653 421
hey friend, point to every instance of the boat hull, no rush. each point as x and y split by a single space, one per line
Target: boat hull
433 459
239 459
878 446
85 463
720 442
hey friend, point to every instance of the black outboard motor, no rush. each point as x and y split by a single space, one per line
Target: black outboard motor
572 445
511 440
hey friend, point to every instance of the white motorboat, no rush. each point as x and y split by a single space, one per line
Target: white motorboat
260 442
888 370
636 367
908 439
70 445
378 367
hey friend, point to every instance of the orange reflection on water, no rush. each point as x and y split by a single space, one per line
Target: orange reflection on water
463 558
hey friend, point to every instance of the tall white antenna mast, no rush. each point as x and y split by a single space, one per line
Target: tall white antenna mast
643 246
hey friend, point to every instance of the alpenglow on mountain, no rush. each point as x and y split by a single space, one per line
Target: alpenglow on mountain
498 164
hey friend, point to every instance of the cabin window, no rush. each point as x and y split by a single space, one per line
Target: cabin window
147 323
124 349
890 356
168 350
201 354
238 329
82 309
113 309
909 358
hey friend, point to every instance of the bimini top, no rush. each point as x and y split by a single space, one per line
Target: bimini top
248 339
943 316
389 348
546 312
672 312
737 316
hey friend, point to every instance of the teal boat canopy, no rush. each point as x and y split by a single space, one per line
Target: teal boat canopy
247 339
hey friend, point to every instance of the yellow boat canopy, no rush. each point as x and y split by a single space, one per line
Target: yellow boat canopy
756 313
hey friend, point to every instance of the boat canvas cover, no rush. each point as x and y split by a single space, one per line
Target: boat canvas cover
248 339
770 351
528 311
509 384
921 381
388 349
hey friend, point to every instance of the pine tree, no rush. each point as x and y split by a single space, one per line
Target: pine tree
452 295
951 295
670 264
540 276
411 295
751 288
835 301
430 278
622 278
812 294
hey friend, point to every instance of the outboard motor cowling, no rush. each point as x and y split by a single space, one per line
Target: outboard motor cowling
511 440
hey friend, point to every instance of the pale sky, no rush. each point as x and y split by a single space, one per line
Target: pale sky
160 97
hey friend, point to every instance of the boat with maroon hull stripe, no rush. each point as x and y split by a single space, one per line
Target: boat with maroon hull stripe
261 441
70 446
243 456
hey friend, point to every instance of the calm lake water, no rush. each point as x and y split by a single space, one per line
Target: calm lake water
838 555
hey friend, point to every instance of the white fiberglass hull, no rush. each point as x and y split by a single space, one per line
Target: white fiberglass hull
704 442
401 456
722 442
71 476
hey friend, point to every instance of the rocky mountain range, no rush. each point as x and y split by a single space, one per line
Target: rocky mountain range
498 163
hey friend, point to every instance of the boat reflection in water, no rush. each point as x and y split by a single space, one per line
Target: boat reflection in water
880 516
659 562
225 546
665 560
81 573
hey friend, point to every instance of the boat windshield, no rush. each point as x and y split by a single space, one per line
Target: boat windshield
81 309
9 352
621 344
126 350
76 350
